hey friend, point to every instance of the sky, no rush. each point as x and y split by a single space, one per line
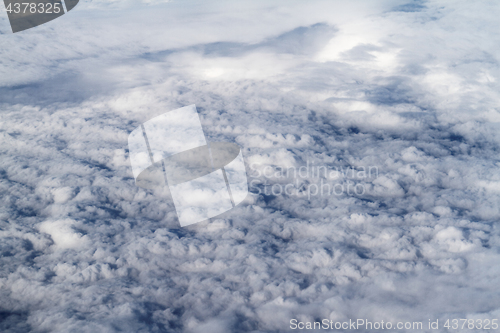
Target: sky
405 89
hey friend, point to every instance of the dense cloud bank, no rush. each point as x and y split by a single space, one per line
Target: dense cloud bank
409 89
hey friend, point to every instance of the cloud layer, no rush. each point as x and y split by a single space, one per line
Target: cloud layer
407 88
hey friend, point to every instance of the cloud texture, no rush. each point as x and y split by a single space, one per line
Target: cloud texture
408 88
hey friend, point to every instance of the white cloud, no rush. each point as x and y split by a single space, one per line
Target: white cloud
408 88
63 234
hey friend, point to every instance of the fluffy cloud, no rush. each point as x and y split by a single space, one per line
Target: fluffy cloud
409 89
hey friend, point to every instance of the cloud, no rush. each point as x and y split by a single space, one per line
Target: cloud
408 89
63 234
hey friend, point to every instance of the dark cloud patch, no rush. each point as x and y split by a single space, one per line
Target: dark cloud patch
413 6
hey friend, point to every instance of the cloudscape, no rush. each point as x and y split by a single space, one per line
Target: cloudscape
370 134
